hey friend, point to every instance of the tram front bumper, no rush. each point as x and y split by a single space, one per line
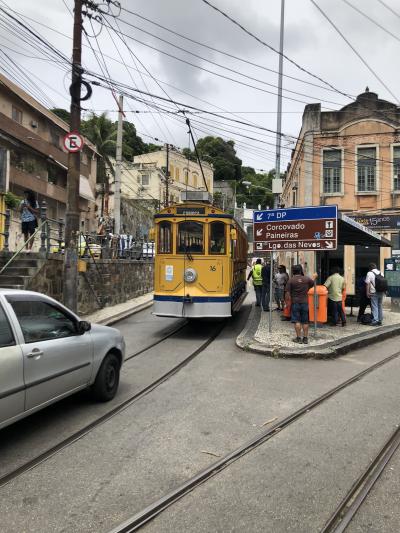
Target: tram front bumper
192 307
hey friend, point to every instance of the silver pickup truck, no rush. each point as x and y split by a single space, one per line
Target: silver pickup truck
48 353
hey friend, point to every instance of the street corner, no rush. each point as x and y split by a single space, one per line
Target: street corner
329 341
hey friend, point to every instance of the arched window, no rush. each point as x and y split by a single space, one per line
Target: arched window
164 238
217 238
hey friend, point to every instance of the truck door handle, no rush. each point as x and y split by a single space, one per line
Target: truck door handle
34 353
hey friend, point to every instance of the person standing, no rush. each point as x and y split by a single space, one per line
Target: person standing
376 288
362 293
29 209
336 286
255 274
266 280
280 279
297 289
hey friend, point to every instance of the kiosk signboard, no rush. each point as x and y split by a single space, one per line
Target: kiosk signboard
392 274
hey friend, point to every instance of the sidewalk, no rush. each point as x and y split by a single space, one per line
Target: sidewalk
114 313
329 341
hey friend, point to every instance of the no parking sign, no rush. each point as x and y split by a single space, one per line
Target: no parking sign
73 142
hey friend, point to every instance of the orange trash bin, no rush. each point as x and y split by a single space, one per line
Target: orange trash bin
322 304
287 310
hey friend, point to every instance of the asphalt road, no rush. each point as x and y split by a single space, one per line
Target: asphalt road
214 404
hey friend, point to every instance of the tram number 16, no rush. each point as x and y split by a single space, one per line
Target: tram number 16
213 268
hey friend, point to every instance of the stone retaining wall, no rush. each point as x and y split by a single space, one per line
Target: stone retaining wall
118 281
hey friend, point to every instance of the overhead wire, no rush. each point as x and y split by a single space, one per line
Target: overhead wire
389 8
194 41
360 57
135 58
273 49
375 22
214 63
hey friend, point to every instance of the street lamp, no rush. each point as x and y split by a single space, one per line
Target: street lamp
250 184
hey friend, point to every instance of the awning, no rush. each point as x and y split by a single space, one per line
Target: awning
351 232
85 190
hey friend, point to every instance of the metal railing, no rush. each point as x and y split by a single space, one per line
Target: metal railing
90 245
32 237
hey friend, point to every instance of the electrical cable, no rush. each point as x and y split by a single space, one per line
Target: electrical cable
215 49
215 63
297 65
389 8
371 20
372 71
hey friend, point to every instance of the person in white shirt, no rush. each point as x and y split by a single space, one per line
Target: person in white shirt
376 296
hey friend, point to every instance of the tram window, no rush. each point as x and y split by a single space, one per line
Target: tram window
190 237
217 238
165 238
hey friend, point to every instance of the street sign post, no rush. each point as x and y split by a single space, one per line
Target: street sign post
296 229
73 142
292 230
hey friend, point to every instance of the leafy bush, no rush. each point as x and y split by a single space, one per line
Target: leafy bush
11 200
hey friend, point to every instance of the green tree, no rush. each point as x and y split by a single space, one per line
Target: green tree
222 155
255 194
62 113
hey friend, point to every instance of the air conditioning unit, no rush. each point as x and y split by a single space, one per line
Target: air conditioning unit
34 124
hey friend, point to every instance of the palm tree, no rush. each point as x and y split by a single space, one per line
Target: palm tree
102 133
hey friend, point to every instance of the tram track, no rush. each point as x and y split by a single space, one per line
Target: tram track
158 341
141 518
77 435
351 503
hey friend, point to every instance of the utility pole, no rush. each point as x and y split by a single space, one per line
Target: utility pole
279 113
72 215
167 179
118 165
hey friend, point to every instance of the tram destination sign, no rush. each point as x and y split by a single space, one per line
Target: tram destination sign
296 229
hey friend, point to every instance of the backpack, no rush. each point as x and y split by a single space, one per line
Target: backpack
366 319
381 284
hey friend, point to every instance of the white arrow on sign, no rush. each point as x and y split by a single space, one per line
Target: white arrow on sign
329 244
259 232
259 216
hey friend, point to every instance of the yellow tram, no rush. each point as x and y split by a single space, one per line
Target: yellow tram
200 262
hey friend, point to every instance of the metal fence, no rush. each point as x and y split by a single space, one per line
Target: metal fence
90 245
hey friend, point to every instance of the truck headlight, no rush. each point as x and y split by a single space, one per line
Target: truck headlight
190 275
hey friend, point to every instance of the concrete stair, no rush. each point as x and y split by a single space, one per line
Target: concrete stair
18 274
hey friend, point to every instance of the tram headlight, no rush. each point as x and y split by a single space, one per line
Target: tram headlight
190 275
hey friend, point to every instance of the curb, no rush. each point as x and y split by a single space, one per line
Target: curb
246 342
124 314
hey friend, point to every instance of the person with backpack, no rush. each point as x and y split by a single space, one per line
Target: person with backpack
255 274
376 288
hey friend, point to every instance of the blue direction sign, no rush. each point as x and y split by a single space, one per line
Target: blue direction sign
296 229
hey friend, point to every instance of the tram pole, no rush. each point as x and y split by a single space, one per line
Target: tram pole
279 110
118 167
167 178
271 274
72 215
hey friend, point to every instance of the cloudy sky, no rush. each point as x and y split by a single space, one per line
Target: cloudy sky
310 41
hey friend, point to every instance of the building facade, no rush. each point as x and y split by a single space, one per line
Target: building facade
351 158
31 141
151 172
